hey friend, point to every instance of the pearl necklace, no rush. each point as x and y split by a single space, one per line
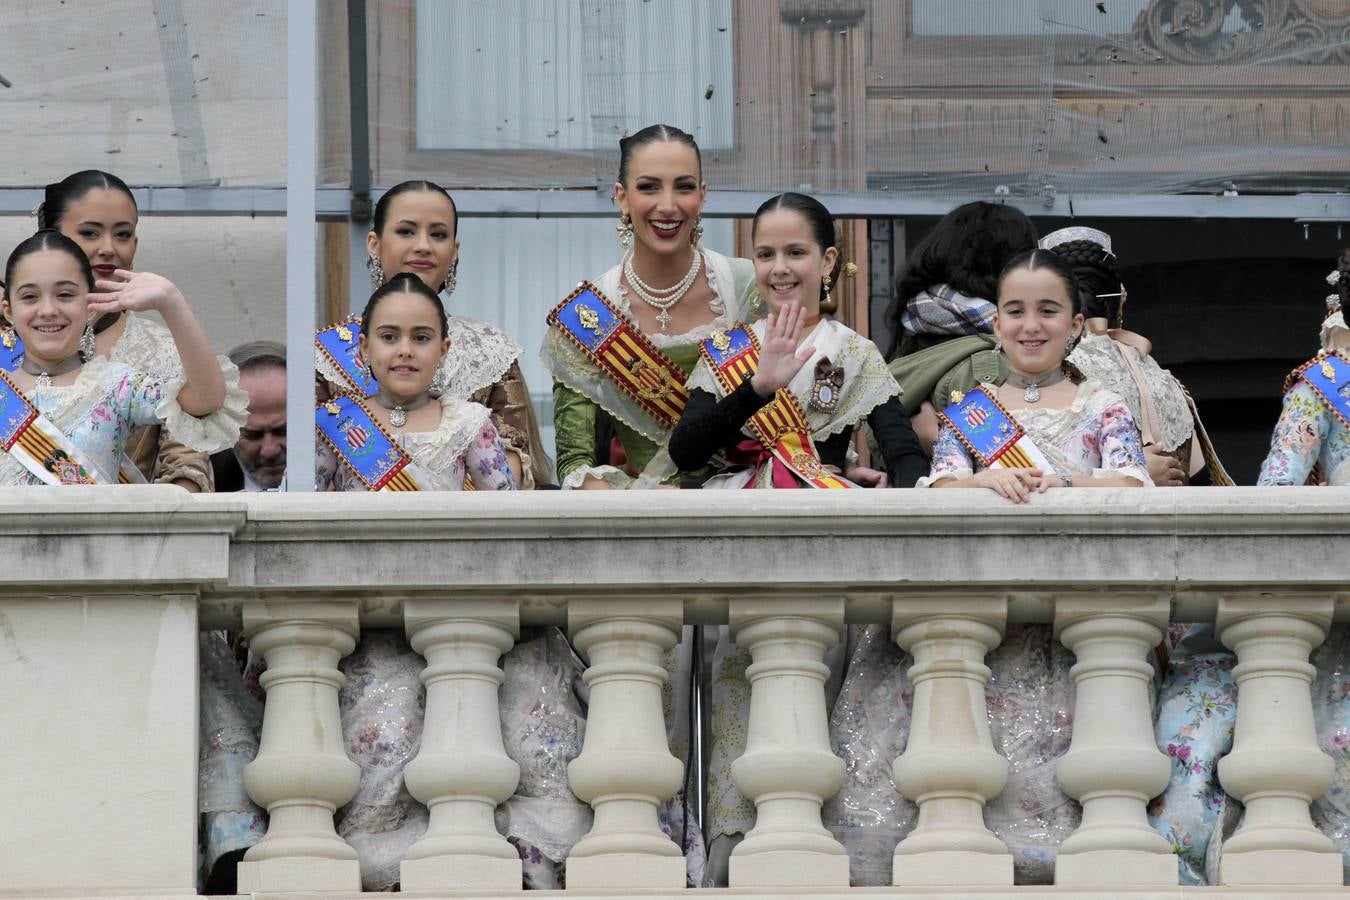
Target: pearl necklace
1032 394
662 298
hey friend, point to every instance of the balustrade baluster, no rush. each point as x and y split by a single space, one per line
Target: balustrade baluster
1113 765
625 768
462 771
788 768
950 768
1276 767
301 774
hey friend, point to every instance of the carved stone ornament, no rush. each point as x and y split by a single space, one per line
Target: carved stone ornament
1192 32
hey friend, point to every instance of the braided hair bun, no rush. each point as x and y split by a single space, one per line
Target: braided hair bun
1097 274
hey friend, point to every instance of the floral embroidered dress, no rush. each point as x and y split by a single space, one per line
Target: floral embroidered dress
383 701
1030 693
108 400
1308 435
147 346
1197 704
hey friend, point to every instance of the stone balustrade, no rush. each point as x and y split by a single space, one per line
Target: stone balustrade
107 588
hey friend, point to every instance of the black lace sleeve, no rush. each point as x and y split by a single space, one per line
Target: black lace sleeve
709 424
904 457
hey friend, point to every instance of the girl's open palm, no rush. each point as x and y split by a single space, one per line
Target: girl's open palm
779 357
135 291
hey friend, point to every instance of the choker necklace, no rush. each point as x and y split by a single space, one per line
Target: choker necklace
398 412
44 376
662 298
1032 394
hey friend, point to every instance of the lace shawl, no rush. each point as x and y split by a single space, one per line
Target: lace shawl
1099 357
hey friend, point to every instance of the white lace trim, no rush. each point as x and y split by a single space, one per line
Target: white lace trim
868 383
615 478
147 346
480 355
440 452
1099 357
210 433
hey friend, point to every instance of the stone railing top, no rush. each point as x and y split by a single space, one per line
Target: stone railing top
868 546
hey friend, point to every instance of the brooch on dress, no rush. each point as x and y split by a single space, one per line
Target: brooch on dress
826 389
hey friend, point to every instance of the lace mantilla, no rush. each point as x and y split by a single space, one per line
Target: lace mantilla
147 346
868 383
479 356
1099 357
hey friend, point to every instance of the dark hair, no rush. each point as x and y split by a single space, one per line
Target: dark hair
258 355
58 197
967 249
651 135
405 187
404 283
1097 273
1045 259
49 239
817 217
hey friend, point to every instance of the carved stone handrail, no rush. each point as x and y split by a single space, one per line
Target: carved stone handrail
108 588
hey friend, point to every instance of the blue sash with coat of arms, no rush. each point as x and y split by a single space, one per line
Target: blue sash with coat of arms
990 434
366 448
340 344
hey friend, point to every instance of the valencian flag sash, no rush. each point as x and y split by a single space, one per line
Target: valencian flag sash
38 445
780 426
366 448
340 344
624 353
11 358
990 434
1328 374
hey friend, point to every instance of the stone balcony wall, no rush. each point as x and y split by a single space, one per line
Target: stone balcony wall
107 587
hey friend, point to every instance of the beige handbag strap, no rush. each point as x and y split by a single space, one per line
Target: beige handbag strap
1147 411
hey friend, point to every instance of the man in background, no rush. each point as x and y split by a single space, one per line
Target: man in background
258 460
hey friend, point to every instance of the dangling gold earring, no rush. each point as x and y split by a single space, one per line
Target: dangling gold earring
826 282
625 230
376 270
696 234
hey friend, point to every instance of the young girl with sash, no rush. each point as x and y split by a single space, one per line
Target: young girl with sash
69 412
780 401
398 438
97 211
781 398
414 230
628 361
1040 426
1176 444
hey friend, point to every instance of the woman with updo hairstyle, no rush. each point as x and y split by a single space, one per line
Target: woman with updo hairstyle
1176 444
97 211
415 230
667 287
943 311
